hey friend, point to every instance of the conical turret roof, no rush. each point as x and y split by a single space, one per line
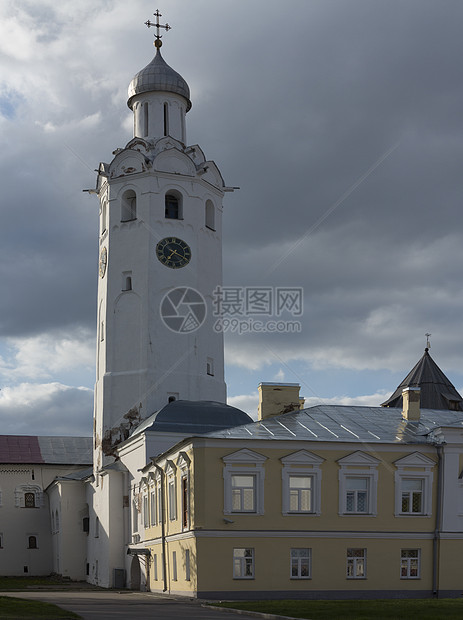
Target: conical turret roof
437 392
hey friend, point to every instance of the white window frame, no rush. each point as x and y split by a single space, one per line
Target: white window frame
183 464
358 465
405 562
171 477
153 504
414 466
355 561
240 562
244 462
20 495
302 463
146 514
299 559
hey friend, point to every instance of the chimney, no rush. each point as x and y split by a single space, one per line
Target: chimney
411 403
278 398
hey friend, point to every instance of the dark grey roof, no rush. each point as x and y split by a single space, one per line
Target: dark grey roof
437 392
158 76
194 417
347 424
52 450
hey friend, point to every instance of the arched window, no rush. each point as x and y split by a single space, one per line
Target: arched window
97 527
166 119
210 215
173 207
32 542
103 216
145 118
129 206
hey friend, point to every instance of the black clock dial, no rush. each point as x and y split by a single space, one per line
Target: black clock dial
173 252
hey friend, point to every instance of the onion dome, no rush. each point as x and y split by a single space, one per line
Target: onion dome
158 76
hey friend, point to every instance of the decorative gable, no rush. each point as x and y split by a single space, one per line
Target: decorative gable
415 459
302 457
359 459
244 456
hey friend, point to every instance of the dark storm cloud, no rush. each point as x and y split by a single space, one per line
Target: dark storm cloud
295 104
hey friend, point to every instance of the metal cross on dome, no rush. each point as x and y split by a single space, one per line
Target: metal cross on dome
157 25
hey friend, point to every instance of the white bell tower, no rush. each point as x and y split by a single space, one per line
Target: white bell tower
160 261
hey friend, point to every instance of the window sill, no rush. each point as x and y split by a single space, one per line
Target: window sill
410 578
356 578
300 578
242 578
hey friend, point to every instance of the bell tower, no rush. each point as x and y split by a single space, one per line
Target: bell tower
160 249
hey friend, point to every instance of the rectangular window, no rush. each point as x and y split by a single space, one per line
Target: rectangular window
243 563
300 493
174 566
146 520
410 564
134 517
356 563
243 493
187 565
153 506
172 501
160 515
412 495
155 566
29 500
356 494
185 502
1 541
300 563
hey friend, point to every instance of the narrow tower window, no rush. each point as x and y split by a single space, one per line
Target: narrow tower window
166 119
210 223
129 206
172 207
127 281
210 366
145 119
103 217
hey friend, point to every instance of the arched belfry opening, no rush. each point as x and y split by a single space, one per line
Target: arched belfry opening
129 206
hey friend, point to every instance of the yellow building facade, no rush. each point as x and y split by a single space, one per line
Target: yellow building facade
259 511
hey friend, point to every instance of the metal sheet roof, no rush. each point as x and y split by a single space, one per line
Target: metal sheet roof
52 450
341 423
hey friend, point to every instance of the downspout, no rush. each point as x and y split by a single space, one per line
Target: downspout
437 531
163 528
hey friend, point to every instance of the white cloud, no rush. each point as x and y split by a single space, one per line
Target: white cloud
250 402
46 408
44 355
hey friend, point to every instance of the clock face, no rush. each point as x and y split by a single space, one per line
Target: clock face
173 252
103 262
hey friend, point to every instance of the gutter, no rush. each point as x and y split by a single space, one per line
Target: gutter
437 530
163 528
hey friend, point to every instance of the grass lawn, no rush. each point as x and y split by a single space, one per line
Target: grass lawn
17 608
21 583
396 609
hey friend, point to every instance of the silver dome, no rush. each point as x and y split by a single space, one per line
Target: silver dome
158 76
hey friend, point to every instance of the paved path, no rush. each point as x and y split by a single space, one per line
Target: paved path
116 605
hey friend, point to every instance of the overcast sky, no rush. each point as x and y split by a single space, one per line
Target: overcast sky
341 122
